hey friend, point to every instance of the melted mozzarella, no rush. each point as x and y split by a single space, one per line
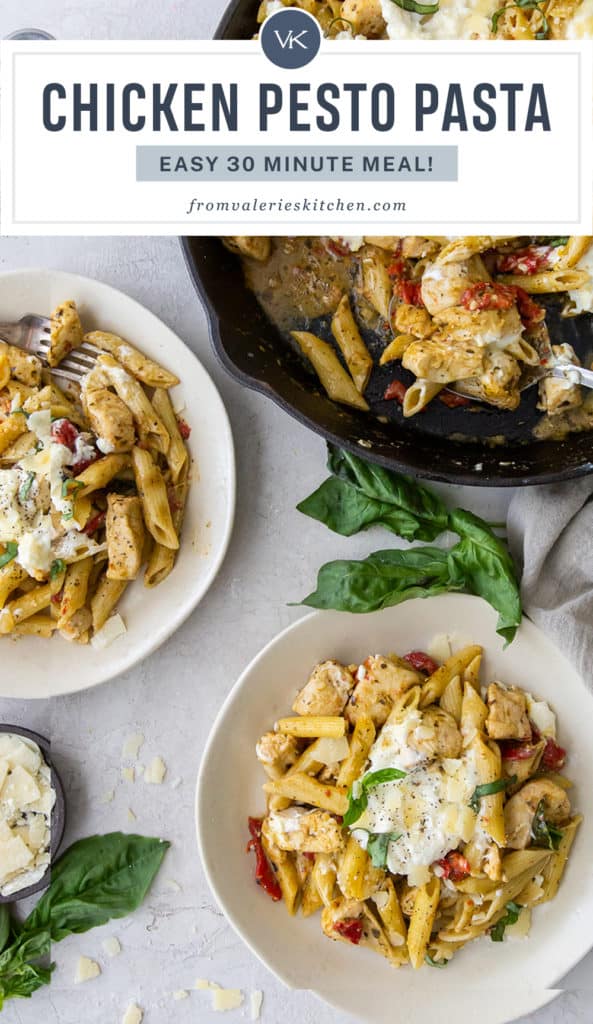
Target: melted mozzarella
583 297
428 807
453 20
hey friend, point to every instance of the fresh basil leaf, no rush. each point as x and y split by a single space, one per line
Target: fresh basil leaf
525 5
25 488
417 8
24 981
383 579
358 792
488 569
11 552
378 847
556 242
513 911
95 880
5 926
489 789
543 832
58 566
409 509
434 963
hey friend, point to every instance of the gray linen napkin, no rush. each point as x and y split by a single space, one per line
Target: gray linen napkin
550 531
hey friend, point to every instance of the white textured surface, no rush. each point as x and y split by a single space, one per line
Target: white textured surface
173 697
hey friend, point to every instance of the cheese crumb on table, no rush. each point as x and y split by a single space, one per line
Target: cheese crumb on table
155 772
132 744
128 774
108 796
112 946
131 815
86 970
133 1015
255 1000
226 999
180 994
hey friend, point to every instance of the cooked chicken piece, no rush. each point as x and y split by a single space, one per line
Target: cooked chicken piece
407 898
66 332
416 248
501 378
326 692
481 327
442 361
277 753
365 17
380 681
111 421
444 284
77 628
124 527
413 320
256 247
300 830
520 810
437 736
525 765
507 713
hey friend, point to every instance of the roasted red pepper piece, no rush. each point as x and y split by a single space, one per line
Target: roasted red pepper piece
554 756
525 261
455 866
397 389
421 662
409 292
95 523
516 751
64 432
486 295
184 428
350 928
264 873
453 401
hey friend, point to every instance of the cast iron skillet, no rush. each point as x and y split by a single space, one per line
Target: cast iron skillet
255 353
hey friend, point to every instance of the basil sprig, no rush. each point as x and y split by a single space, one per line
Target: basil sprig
359 495
489 789
417 8
513 911
11 552
95 880
524 5
378 846
543 832
58 566
358 798
25 488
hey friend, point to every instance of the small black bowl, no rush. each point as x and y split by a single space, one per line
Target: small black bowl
58 814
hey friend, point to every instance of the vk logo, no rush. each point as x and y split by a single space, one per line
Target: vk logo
290 38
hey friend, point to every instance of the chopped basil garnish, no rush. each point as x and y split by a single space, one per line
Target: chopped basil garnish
556 242
25 487
511 917
524 5
416 8
378 846
58 566
13 412
70 487
543 832
11 552
358 794
435 963
489 789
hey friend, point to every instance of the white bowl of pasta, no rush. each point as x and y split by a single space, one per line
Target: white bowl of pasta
117 490
446 893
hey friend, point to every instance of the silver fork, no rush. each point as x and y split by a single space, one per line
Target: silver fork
31 334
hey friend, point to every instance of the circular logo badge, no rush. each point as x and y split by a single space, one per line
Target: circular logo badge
290 38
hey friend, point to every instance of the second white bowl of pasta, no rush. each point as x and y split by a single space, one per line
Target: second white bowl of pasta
421 814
